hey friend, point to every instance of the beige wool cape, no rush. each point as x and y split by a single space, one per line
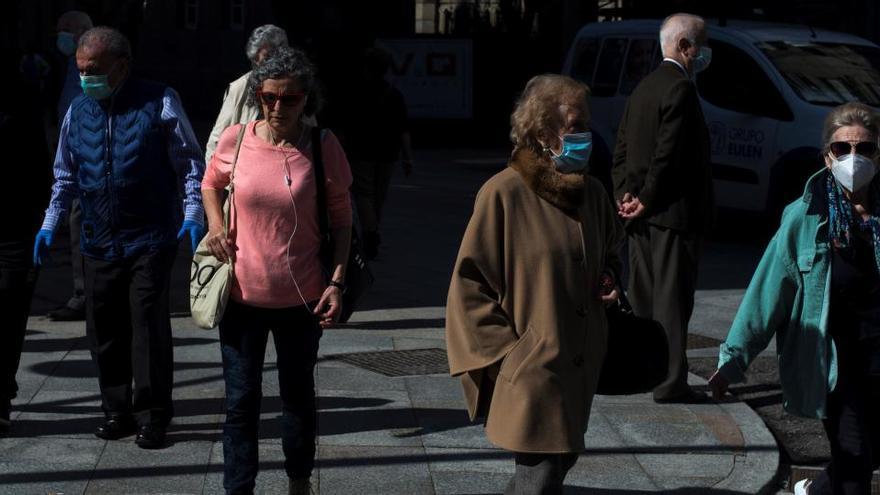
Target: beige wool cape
525 326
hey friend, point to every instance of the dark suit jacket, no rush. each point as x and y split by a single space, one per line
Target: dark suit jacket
662 152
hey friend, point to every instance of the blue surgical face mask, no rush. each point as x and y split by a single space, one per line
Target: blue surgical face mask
575 154
97 86
65 43
703 59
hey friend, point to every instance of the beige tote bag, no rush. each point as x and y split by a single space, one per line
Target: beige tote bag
211 279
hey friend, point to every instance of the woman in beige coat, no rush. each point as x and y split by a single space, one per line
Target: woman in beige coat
525 323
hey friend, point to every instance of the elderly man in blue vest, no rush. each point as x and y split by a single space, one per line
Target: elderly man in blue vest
124 149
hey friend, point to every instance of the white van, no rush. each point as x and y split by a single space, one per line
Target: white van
765 96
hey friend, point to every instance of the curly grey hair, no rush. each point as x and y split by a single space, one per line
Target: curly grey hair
849 114
285 63
268 35
107 38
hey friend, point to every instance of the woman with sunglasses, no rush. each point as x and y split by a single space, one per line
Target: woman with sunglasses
817 290
274 242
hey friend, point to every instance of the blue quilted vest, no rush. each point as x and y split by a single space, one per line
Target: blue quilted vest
129 190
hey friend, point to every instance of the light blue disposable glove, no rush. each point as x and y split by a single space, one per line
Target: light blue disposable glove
195 230
41 246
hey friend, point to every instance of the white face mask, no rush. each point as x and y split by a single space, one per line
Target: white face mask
853 171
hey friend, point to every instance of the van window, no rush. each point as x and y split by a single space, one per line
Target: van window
640 60
828 73
734 81
585 60
608 67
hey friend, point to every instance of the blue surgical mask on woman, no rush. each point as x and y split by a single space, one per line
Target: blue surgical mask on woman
575 154
65 43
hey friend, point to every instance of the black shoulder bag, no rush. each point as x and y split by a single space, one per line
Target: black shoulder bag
637 359
358 277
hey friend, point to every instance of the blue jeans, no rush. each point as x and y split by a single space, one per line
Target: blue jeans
244 332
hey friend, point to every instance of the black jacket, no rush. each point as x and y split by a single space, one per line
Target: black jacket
662 152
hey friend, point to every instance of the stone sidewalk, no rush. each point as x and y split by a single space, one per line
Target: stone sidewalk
377 434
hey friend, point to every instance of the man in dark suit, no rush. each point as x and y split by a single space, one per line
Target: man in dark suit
663 186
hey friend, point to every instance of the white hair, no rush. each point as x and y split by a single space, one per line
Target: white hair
677 27
267 35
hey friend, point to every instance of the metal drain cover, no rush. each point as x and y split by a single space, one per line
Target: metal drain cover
398 363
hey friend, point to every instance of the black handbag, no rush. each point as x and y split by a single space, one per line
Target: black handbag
358 277
637 359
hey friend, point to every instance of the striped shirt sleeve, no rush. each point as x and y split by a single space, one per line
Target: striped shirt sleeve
185 154
66 187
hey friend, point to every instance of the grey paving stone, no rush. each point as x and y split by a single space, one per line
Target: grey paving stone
334 343
469 483
692 484
357 379
461 461
600 434
371 418
126 468
65 384
435 387
375 470
58 413
673 436
397 314
405 343
446 424
609 471
713 466
38 465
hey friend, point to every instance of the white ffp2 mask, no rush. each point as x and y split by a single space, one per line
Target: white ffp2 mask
853 171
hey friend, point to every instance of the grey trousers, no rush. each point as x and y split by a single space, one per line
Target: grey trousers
540 474
662 281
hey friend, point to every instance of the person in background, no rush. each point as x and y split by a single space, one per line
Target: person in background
525 321
817 290
21 128
663 186
236 109
275 243
71 25
126 148
376 138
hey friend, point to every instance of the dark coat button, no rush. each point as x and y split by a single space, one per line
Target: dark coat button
579 360
581 312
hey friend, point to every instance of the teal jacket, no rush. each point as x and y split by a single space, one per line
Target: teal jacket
789 297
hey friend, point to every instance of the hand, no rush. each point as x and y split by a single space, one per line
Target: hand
407 167
329 307
195 230
41 246
630 207
607 291
718 384
220 246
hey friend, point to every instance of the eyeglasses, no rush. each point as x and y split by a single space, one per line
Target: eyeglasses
286 99
864 148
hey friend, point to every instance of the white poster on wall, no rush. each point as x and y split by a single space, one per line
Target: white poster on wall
434 75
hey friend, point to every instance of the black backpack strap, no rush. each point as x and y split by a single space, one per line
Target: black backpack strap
320 181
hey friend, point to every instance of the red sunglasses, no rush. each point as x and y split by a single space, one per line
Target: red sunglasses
286 99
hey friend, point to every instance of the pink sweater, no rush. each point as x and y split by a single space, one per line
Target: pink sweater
263 216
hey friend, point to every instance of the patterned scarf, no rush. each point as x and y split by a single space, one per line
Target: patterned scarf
843 220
